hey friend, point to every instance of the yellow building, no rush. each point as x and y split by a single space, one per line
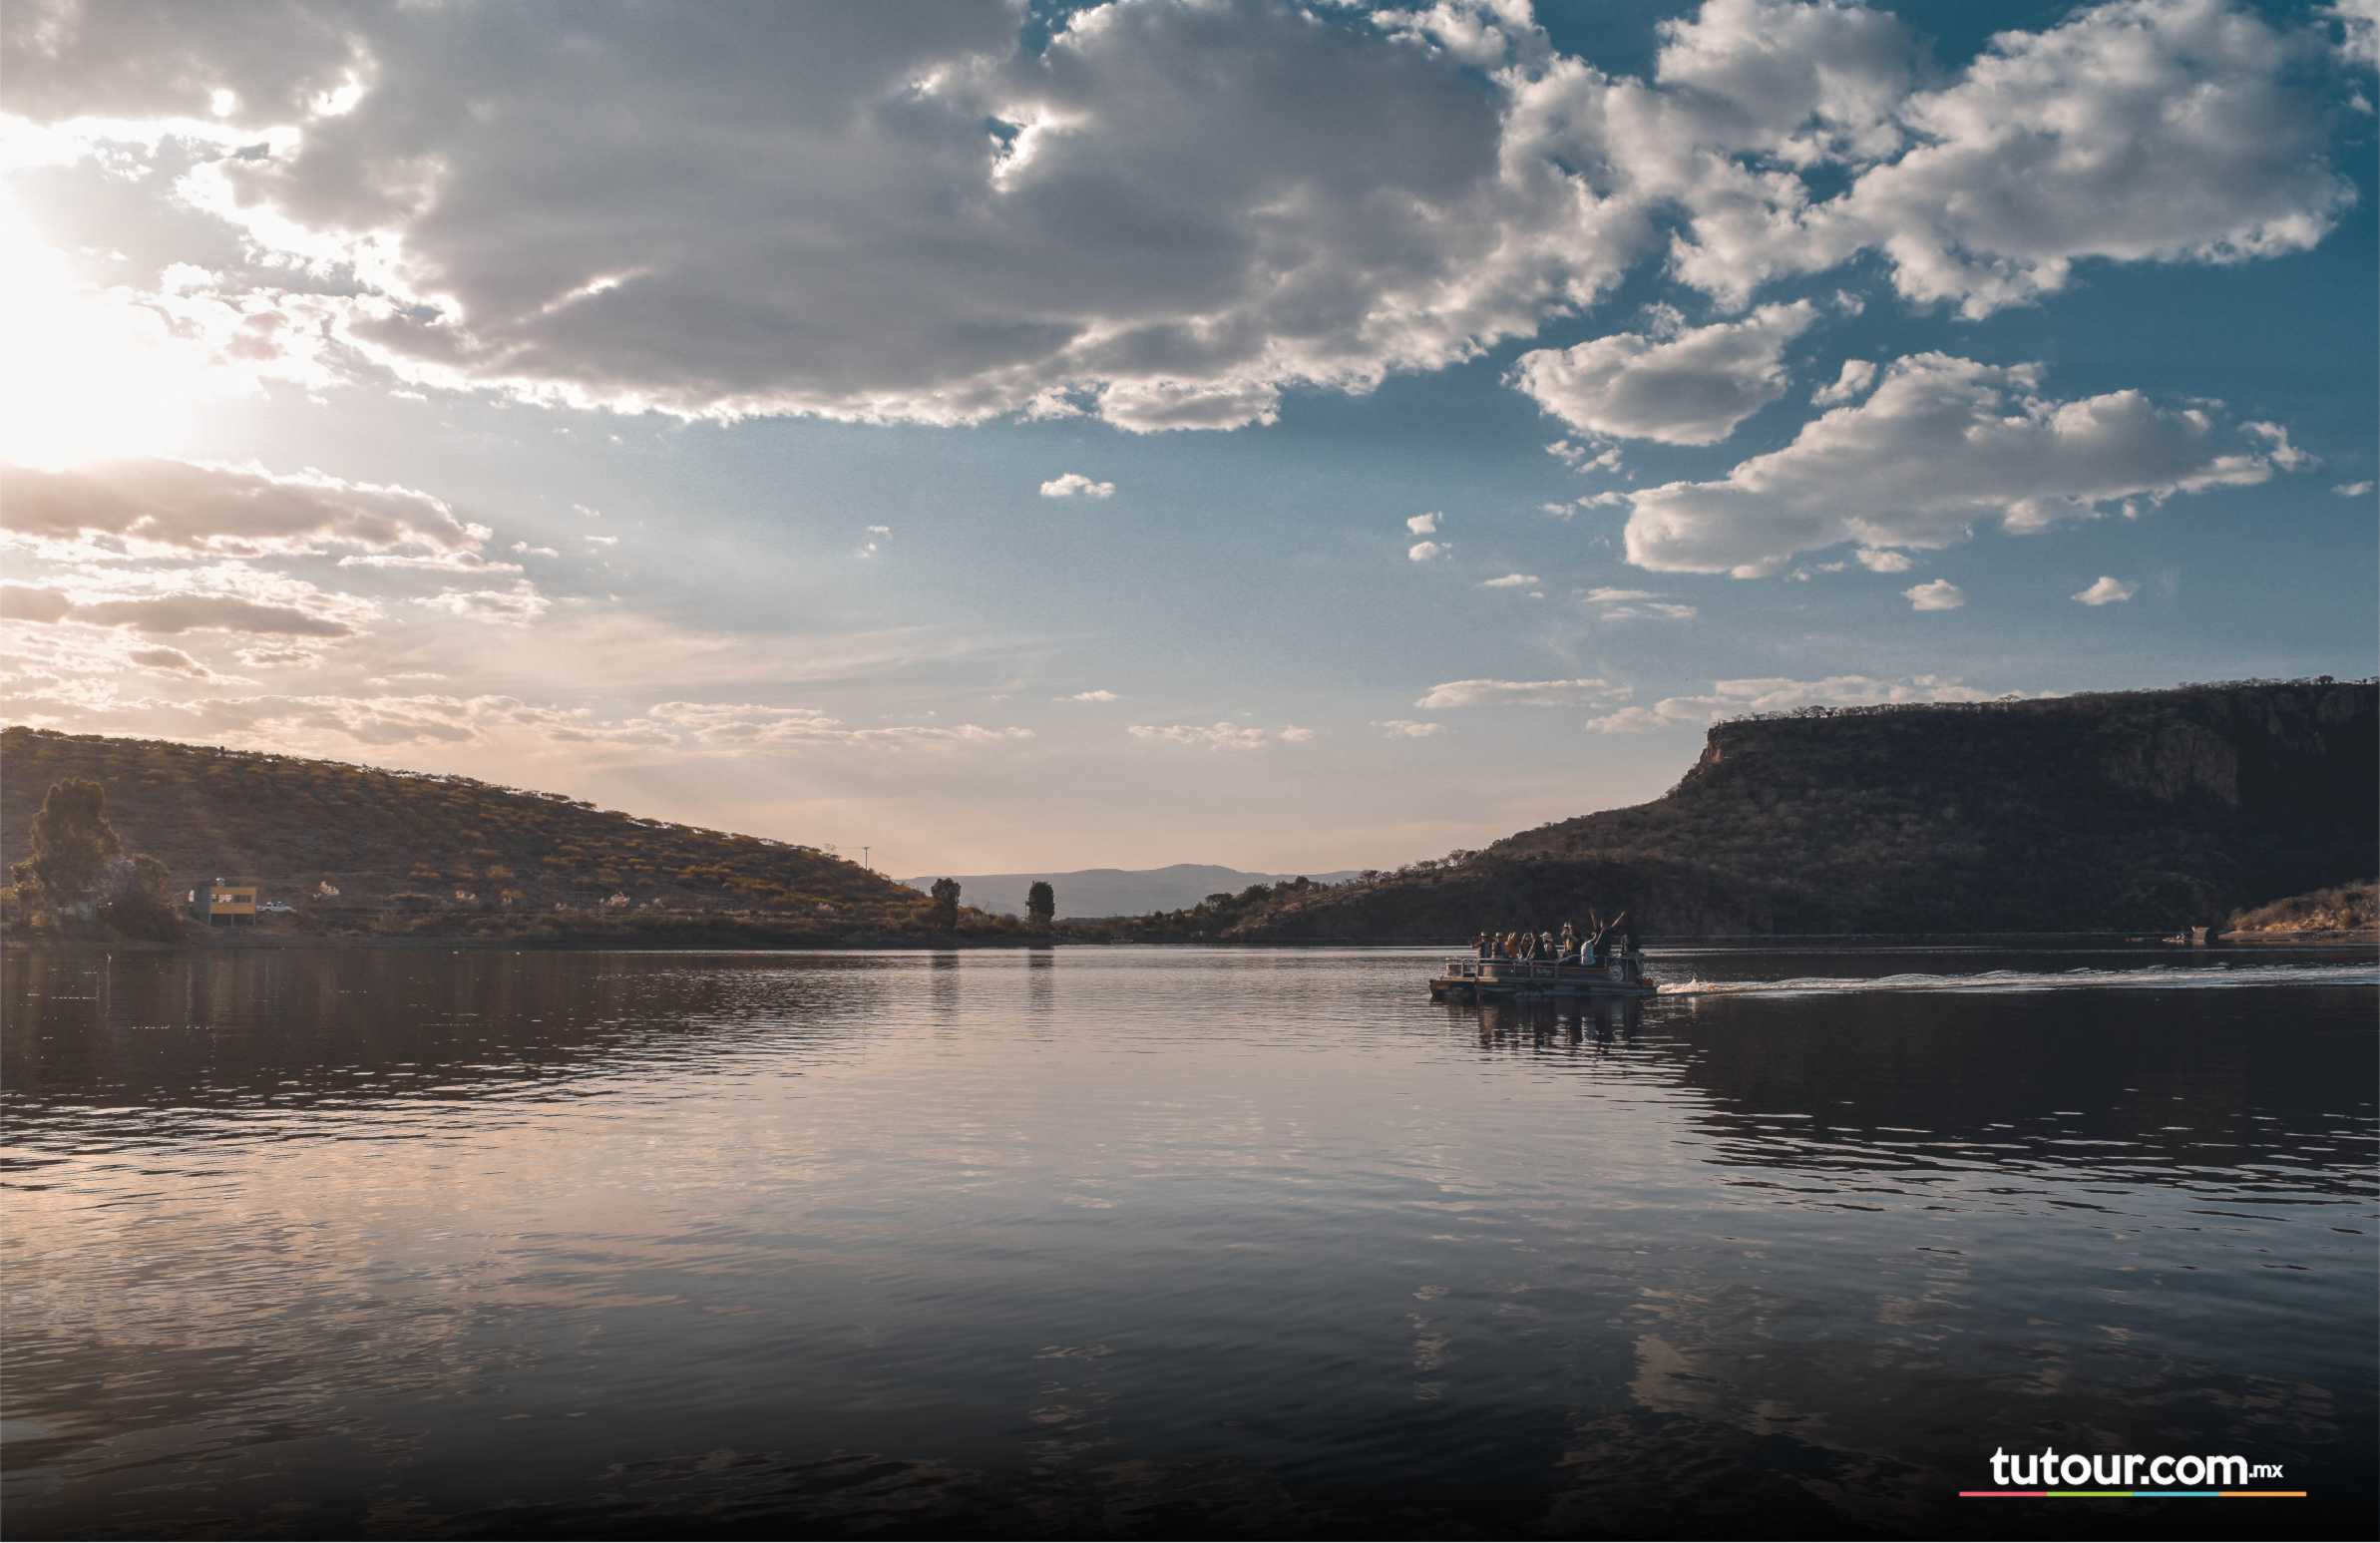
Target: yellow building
224 900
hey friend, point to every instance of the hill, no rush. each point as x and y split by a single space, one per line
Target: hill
415 852
2143 809
2342 910
1115 891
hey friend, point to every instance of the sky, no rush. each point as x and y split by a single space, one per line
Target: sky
1299 436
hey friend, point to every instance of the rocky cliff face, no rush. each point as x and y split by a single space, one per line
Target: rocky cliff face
2227 745
2116 810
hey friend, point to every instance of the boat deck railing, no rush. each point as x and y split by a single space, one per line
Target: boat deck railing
1624 967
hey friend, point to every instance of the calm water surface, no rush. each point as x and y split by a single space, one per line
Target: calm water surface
1174 1241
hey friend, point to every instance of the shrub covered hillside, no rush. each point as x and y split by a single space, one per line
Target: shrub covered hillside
2341 909
407 852
2144 809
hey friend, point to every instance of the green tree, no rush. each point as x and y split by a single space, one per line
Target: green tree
67 849
945 905
1040 902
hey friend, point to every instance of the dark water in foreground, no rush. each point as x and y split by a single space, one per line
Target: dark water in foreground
1173 1241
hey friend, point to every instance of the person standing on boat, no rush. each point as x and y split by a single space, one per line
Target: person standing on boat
1545 947
1480 949
1568 953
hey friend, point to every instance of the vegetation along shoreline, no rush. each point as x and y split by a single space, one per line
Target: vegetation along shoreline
2240 810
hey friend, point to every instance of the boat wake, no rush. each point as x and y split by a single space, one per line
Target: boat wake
2156 978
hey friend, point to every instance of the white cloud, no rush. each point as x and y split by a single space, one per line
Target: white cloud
178 508
1292 734
1177 211
1742 698
738 727
1852 384
420 563
525 550
196 602
1942 443
1202 737
2108 591
172 662
1688 388
1518 693
2354 489
1164 213
276 656
1879 559
1935 594
1631 720
1613 604
2136 131
2281 454
2359 30
1423 525
1509 582
333 721
1153 407
516 607
1797 84
1426 552
1608 498
604 542
1407 728
1584 458
1100 695
1074 483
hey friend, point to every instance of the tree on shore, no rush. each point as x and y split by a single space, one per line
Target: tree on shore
1040 902
74 867
67 851
945 905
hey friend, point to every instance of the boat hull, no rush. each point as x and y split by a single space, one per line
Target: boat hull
1513 979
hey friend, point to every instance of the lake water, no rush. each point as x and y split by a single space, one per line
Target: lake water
1176 1242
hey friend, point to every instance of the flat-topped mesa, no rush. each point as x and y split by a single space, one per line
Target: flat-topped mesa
2248 745
2109 809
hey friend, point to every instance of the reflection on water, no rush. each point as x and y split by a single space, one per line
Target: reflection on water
1165 1240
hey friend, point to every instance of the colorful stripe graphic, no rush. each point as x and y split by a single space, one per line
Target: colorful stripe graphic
2132 1494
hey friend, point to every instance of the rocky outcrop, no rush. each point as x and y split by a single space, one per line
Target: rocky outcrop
2110 810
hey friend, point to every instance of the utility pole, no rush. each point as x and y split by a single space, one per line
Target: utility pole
864 863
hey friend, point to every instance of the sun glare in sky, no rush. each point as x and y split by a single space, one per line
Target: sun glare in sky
90 374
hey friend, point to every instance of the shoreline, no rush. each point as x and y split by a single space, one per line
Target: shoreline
281 941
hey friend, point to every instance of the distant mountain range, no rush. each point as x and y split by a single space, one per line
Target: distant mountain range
1114 892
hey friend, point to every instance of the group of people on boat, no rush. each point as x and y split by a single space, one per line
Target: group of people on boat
1594 946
